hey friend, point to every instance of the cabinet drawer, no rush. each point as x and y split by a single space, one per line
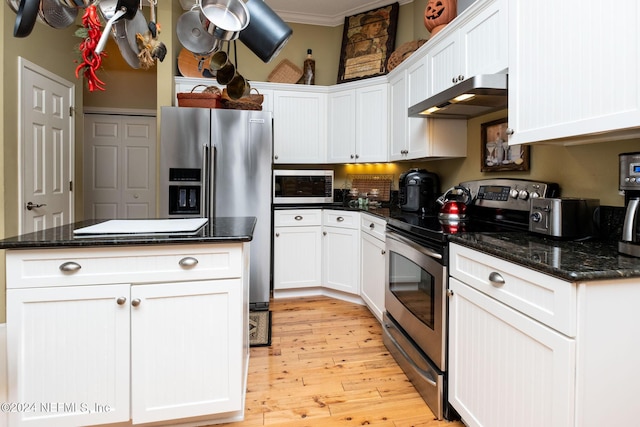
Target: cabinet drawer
127 264
373 226
544 298
297 217
344 219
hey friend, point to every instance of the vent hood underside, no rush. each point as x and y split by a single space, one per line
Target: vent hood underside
488 93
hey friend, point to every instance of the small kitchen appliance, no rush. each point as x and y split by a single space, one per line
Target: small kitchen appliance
418 190
568 218
629 243
302 187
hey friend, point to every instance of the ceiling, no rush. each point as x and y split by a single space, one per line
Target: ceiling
329 13
324 12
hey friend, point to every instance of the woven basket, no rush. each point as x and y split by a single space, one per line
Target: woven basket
210 97
248 102
285 72
403 52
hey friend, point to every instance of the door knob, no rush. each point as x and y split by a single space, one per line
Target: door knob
30 205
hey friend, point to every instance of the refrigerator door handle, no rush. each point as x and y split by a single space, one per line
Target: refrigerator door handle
205 181
211 182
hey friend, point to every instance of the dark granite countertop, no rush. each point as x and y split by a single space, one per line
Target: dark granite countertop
216 230
569 260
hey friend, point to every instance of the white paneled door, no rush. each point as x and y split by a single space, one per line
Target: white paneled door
46 138
119 166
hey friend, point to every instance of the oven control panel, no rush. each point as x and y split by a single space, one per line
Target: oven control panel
506 193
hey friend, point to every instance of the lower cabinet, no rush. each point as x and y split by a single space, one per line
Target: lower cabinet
297 249
171 351
341 251
372 268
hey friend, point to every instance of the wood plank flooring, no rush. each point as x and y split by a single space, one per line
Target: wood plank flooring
327 366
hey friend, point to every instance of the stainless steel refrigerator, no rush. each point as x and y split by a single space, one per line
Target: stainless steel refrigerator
217 163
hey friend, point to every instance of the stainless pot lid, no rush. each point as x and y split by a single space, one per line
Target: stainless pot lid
193 36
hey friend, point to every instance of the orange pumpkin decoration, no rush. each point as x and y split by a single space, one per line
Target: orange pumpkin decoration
438 14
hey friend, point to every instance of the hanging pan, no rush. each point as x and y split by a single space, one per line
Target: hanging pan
192 35
26 17
124 8
55 14
224 19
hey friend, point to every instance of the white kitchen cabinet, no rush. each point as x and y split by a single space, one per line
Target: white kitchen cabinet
158 347
299 126
341 251
475 45
571 85
372 266
297 249
357 123
533 350
415 138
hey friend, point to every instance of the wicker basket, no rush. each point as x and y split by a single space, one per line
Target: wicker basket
403 52
210 97
248 102
285 72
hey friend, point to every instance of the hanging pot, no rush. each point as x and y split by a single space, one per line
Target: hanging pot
266 33
224 19
124 8
57 15
454 204
26 17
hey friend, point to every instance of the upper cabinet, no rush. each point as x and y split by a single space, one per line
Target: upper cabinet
475 45
574 72
357 122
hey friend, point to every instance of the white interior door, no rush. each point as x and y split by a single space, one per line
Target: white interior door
119 166
46 138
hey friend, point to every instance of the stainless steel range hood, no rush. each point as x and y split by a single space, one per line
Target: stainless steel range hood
473 97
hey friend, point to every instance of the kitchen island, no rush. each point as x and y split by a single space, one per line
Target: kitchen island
128 329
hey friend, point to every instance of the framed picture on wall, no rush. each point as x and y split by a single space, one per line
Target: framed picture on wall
368 40
497 155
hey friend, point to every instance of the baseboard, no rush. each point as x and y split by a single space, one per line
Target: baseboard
4 388
317 291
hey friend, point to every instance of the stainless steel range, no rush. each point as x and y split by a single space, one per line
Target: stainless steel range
415 320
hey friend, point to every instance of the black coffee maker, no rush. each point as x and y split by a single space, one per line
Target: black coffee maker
419 190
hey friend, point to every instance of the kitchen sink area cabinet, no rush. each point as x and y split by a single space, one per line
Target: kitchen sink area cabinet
300 125
297 249
357 122
530 349
568 85
341 251
373 265
132 334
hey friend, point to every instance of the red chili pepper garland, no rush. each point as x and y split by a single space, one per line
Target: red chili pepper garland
90 61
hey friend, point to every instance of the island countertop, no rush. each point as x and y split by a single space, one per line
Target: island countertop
216 230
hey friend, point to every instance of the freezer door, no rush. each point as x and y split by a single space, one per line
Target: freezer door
184 153
242 144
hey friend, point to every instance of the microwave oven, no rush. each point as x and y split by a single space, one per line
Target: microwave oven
302 186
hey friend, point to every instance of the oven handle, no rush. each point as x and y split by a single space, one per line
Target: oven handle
426 375
393 236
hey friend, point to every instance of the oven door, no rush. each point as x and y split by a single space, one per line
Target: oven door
415 294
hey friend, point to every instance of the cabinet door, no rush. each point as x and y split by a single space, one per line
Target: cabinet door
566 82
371 122
300 127
417 128
373 273
505 369
186 346
69 355
341 259
341 144
398 116
443 61
297 257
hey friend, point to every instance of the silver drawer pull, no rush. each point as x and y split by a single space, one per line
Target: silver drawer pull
496 279
121 300
70 267
340 219
298 218
372 226
188 262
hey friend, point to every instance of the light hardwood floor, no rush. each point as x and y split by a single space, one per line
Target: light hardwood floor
327 366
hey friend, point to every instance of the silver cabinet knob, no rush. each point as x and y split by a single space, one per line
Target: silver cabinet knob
454 80
352 156
510 131
188 262
340 219
382 252
135 302
496 279
372 226
357 156
276 157
460 77
449 293
324 233
277 234
298 218
121 300
70 267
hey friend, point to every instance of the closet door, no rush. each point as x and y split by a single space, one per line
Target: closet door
119 166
